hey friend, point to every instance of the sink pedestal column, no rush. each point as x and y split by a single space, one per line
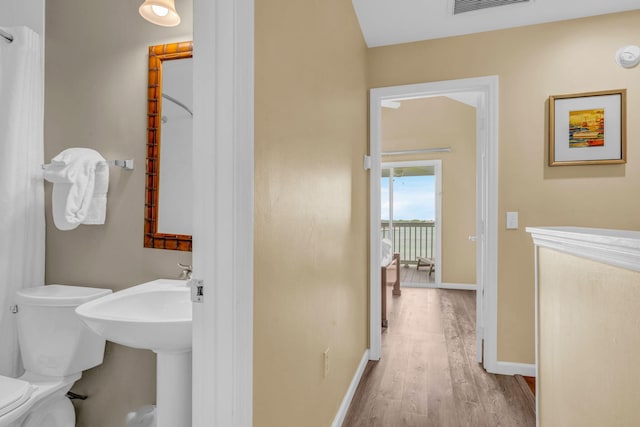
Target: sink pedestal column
173 398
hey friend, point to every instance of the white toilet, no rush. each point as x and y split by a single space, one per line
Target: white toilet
56 347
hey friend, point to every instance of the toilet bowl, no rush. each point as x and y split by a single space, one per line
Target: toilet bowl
56 347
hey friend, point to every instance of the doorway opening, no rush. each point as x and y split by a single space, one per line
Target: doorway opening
483 92
410 218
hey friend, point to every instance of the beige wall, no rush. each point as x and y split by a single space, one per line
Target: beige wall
311 209
588 342
532 64
435 123
96 79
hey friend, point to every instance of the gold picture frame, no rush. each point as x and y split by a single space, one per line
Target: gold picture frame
588 128
152 237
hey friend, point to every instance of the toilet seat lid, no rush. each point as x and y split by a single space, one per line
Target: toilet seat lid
13 393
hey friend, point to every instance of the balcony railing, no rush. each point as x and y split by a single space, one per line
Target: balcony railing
411 239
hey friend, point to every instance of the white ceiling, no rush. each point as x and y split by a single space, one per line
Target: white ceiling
386 22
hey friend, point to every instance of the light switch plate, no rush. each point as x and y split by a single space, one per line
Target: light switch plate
512 220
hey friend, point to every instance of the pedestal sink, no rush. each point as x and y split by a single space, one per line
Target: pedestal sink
155 316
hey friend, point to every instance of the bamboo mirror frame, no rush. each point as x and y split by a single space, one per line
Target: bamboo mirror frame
152 238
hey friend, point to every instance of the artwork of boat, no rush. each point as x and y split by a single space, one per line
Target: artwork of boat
586 135
586 128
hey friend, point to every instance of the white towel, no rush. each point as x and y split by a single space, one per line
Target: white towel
73 175
98 207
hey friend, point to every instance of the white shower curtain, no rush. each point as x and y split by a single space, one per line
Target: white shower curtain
22 232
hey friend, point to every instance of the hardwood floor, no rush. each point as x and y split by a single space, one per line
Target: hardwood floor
412 277
428 375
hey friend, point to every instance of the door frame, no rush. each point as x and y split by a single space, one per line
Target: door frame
437 165
223 67
486 89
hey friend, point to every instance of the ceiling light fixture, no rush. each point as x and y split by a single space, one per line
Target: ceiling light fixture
628 56
160 12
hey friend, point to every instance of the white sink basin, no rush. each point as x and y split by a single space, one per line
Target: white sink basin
154 315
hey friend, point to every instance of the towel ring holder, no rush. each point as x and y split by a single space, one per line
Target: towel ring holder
124 164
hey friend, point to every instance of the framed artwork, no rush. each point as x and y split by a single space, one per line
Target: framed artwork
588 128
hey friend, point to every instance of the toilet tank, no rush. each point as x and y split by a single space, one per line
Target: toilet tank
53 339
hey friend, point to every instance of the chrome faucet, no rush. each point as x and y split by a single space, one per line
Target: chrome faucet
185 274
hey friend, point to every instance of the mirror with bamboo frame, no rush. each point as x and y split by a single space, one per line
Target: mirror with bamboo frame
168 190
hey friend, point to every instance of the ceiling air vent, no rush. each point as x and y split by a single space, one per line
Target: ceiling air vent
462 6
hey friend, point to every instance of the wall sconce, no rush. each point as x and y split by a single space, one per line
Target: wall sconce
628 56
160 12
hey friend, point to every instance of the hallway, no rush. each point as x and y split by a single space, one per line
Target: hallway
428 375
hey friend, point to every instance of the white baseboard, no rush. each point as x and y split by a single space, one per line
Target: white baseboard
431 285
459 286
511 368
416 285
344 406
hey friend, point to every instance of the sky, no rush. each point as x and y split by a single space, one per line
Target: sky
414 198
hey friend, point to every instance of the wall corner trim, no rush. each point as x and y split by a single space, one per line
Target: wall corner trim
620 248
351 391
